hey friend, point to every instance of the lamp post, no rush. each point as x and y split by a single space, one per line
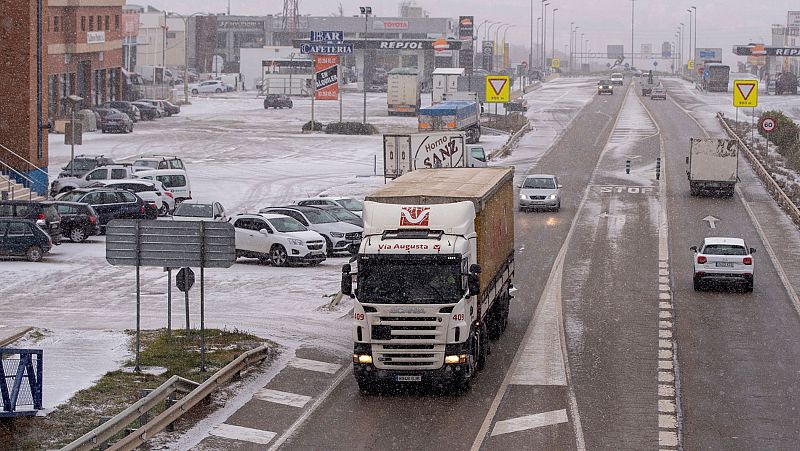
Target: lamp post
185 50
530 55
694 48
486 38
496 32
571 24
539 44
581 59
544 35
553 44
588 50
683 55
366 11
691 53
633 51
504 61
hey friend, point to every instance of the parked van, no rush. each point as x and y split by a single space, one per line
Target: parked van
174 180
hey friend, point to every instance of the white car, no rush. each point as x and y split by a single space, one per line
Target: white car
277 239
208 86
723 260
192 210
354 205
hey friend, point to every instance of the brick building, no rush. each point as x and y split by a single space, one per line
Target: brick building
84 51
23 143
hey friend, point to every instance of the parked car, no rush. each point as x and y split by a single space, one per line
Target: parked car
161 105
22 237
91 178
109 203
342 214
277 239
112 120
540 191
171 108
605 87
78 221
159 162
82 164
354 205
147 111
722 259
658 92
174 180
339 236
125 107
192 210
208 86
147 190
43 214
277 101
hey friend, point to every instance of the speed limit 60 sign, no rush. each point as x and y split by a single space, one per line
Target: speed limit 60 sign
768 125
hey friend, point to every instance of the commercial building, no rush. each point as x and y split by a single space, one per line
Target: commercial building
786 35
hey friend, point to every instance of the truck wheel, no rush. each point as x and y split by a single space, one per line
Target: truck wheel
482 339
366 386
460 385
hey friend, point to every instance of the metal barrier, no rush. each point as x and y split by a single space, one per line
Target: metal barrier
20 381
194 394
770 184
505 149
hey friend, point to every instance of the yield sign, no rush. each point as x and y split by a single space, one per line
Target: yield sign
498 89
745 93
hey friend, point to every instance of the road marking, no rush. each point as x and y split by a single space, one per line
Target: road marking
712 221
251 435
282 397
530 422
625 189
314 365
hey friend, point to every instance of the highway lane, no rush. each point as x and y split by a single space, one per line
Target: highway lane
424 419
738 354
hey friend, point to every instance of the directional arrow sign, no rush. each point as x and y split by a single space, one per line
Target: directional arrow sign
745 93
712 221
498 89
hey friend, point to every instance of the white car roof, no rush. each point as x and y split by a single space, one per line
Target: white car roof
723 240
333 198
540 176
160 172
261 215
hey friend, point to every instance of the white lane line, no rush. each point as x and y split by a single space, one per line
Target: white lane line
244 434
314 365
282 397
530 422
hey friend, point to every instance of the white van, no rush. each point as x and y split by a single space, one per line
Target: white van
174 180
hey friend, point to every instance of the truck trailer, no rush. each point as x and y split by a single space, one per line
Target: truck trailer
713 165
407 152
453 115
434 277
403 91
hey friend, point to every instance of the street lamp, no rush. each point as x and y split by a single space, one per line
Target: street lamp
544 35
496 32
570 44
185 50
538 35
554 33
691 53
633 51
574 40
530 56
504 61
694 48
581 52
366 11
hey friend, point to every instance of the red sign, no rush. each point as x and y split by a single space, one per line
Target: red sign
415 216
768 125
326 77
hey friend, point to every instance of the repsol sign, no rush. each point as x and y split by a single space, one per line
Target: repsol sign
403 45
786 51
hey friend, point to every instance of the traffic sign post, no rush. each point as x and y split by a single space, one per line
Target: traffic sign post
498 89
555 63
745 93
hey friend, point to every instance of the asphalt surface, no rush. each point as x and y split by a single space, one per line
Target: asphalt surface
608 345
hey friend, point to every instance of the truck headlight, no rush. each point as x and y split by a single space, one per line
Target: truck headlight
362 358
295 241
337 234
456 358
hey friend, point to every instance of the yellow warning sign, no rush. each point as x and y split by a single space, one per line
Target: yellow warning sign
555 63
745 93
498 89
690 65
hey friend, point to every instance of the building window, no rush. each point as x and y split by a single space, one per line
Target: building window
107 24
116 22
91 23
83 23
48 24
56 23
171 35
99 23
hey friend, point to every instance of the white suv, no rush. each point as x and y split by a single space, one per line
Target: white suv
723 260
277 239
354 205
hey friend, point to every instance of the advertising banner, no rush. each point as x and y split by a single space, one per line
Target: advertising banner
326 77
466 27
488 55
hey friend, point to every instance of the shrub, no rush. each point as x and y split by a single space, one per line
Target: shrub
316 126
350 128
793 157
785 135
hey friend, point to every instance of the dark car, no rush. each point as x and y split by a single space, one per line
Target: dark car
82 164
22 237
171 108
124 107
605 87
277 101
78 221
112 120
108 203
41 213
342 214
147 111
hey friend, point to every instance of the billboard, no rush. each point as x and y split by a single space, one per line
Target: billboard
326 77
466 27
390 25
666 50
488 55
615 51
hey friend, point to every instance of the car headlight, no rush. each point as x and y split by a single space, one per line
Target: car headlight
295 241
523 197
552 196
337 234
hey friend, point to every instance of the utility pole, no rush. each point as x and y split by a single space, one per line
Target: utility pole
530 55
633 2
554 33
691 53
544 35
694 49
366 11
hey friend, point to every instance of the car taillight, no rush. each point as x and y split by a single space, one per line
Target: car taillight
141 209
747 261
93 219
701 260
169 194
40 217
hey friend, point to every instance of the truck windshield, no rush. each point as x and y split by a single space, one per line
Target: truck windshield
411 281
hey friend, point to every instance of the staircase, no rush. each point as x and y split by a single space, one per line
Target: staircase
15 191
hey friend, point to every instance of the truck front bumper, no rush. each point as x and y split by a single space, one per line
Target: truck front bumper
446 373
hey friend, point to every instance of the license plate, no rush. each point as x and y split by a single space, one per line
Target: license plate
408 378
724 265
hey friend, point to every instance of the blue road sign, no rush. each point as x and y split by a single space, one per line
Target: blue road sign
326 49
326 36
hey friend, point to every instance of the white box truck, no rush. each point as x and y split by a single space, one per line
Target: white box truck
403 92
713 165
408 152
434 276
445 80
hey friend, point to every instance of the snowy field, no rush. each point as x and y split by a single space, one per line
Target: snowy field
247 158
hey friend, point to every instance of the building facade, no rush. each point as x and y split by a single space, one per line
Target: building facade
84 52
786 35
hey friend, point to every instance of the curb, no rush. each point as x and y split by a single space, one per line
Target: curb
5 341
505 149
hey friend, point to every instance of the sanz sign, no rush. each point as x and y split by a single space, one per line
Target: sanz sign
326 36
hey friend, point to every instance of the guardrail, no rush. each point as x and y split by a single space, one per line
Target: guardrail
505 149
770 184
194 394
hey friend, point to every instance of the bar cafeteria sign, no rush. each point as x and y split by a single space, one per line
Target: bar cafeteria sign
326 77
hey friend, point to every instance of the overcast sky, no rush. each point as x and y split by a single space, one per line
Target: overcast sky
722 23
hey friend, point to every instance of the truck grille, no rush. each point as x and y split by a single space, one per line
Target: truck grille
408 342
353 236
411 357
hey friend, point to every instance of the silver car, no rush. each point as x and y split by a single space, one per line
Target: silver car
540 191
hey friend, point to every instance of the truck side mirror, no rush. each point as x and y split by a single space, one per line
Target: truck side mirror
473 284
687 160
347 280
693 248
474 268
